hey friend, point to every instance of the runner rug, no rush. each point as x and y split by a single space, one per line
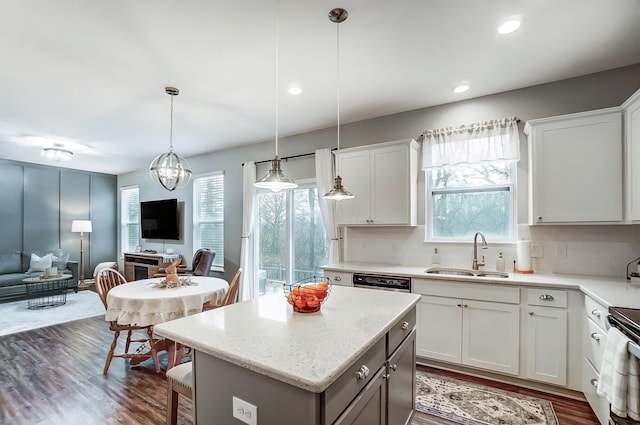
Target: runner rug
16 317
473 404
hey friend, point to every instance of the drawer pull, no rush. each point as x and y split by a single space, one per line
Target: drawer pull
337 278
595 336
363 373
594 382
459 305
404 326
546 297
596 312
531 313
393 367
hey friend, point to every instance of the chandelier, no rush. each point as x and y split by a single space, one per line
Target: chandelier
169 169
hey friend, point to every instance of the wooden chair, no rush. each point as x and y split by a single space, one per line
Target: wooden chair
230 297
105 281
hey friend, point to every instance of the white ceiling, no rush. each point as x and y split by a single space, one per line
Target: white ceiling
91 73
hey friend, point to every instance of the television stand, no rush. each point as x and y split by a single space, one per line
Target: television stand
139 265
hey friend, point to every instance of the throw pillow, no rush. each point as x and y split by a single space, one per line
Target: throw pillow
60 261
39 264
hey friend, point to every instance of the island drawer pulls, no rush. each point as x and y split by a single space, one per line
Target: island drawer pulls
363 373
546 297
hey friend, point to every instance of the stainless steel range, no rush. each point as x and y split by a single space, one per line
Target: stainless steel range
627 320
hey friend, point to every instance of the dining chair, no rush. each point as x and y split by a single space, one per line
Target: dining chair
200 265
105 281
230 296
179 382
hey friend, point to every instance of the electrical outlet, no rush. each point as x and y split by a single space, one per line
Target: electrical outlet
536 250
561 250
244 411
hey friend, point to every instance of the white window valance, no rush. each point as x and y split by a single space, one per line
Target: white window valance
488 141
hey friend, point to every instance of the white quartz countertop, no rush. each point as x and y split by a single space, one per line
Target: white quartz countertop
610 291
307 350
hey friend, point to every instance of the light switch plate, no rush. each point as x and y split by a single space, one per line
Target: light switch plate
245 411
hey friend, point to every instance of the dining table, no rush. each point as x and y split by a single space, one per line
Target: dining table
150 302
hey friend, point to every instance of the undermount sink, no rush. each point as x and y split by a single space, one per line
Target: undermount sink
465 272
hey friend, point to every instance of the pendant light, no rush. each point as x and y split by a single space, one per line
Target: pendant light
275 179
338 193
170 169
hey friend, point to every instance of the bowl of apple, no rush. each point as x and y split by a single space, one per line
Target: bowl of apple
308 295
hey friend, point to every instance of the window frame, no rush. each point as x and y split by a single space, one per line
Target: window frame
124 216
513 199
218 262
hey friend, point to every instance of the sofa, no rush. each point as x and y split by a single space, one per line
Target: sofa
17 266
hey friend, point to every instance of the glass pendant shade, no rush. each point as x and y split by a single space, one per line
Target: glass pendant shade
338 193
275 180
170 170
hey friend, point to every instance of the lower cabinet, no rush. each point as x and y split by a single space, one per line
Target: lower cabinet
547 335
474 333
594 341
369 407
401 380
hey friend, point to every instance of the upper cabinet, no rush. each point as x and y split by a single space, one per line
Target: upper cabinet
631 110
575 166
382 178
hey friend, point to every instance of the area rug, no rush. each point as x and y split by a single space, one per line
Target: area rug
473 404
16 317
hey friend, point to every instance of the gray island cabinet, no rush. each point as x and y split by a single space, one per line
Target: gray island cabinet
351 363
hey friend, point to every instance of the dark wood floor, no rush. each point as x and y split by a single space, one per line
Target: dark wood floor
54 376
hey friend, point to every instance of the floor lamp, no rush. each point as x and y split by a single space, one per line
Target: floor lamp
81 226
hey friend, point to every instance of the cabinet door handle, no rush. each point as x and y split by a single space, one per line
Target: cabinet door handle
546 297
531 313
393 367
594 382
337 278
459 305
363 373
596 312
595 336
385 376
465 305
404 326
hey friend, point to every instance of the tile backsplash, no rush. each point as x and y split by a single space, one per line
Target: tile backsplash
588 250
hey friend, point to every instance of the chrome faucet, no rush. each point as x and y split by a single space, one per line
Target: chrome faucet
475 264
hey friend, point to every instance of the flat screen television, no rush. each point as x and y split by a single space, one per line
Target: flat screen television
159 219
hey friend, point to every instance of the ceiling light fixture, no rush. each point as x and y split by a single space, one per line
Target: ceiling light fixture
275 179
295 90
509 26
170 169
461 88
338 193
57 153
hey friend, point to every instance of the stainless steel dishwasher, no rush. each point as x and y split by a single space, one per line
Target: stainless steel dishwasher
384 282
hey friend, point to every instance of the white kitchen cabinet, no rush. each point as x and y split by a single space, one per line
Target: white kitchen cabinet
631 110
383 179
575 166
474 333
547 333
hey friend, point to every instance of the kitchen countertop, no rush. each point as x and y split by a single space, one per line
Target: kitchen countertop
307 350
610 291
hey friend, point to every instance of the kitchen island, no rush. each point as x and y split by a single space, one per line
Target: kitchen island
333 366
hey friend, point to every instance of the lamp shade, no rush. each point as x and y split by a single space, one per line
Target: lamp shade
275 180
81 226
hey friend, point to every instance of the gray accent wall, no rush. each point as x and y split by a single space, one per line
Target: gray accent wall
594 91
39 203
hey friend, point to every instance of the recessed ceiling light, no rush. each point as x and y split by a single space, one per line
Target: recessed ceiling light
461 88
295 90
509 26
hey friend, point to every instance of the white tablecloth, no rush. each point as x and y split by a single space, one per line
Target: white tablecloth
142 303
